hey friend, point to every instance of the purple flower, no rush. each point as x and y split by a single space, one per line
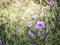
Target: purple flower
17 28
29 24
34 44
52 2
31 34
42 35
40 25
0 42
35 17
47 7
42 14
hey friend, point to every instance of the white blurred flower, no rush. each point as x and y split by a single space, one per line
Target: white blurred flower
28 10
35 16
42 14
47 7
17 3
12 16
23 17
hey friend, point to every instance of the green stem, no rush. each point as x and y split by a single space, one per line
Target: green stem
40 2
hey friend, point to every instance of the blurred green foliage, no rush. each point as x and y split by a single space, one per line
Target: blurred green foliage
10 36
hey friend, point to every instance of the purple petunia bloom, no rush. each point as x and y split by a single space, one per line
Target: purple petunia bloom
35 17
52 2
40 25
47 7
31 34
0 42
17 28
42 35
29 24
42 14
34 44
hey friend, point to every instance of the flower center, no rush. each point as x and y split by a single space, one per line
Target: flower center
40 24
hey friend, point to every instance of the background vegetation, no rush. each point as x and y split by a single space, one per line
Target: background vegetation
14 15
